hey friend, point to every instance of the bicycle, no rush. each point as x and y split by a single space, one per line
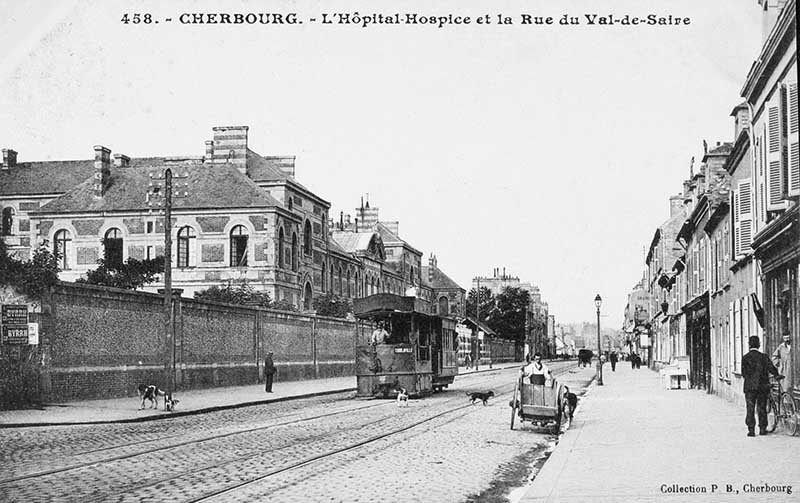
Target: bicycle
781 409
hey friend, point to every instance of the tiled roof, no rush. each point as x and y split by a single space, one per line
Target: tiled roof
266 169
353 242
31 178
210 186
440 280
390 238
53 177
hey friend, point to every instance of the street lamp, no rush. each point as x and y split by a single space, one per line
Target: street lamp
598 301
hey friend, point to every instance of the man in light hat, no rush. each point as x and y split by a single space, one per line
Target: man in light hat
782 358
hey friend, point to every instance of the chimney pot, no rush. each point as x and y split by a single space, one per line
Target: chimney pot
121 160
9 158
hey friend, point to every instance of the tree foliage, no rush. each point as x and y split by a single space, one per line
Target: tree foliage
241 293
330 304
509 315
30 277
487 303
132 275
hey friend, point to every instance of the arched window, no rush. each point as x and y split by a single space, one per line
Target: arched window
61 241
112 248
294 251
349 291
411 276
281 249
186 253
238 246
8 221
358 284
307 250
372 285
341 285
444 306
307 297
324 226
330 285
323 276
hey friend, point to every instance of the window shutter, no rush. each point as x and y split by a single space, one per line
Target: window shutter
774 167
745 217
793 184
736 228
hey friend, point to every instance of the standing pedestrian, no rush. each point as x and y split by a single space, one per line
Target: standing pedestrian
613 358
756 367
269 372
633 360
782 359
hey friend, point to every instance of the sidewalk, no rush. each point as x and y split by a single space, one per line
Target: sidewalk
633 440
126 410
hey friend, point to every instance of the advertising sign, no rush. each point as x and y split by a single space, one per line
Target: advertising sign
33 333
15 334
14 314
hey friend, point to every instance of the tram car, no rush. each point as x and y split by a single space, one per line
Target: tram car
400 344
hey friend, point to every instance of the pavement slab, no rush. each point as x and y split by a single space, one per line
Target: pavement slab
633 440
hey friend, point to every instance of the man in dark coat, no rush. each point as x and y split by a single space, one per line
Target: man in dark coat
756 367
269 372
613 359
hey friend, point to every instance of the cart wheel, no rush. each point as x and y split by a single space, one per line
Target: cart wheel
790 418
514 405
772 414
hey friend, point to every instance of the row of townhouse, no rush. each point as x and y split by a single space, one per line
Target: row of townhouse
726 264
236 215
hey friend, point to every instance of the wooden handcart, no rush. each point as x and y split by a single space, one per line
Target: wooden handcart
539 402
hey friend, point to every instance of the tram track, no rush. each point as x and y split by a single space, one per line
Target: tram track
211 495
161 446
252 457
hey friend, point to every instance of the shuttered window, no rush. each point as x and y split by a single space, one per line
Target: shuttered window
774 165
744 217
792 140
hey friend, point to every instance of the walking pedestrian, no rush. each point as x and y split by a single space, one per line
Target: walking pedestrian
613 358
782 359
269 372
756 367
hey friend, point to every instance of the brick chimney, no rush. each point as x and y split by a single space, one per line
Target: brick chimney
9 158
121 161
102 170
675 205
209 157
230 146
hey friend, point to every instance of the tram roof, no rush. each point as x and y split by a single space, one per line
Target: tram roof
386 303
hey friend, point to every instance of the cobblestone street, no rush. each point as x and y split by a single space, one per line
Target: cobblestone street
313 449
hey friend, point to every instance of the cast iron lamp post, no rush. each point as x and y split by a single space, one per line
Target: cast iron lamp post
598 302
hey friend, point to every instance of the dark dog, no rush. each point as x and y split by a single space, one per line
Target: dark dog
151 393
480 395
570 402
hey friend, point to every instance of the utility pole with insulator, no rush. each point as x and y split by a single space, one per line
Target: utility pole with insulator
159 196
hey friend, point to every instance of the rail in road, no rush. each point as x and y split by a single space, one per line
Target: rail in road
288 450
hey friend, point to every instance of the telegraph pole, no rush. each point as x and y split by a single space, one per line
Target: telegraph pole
478 324
169 312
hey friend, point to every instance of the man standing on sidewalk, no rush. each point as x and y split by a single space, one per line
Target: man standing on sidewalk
269 372
613 358
756 367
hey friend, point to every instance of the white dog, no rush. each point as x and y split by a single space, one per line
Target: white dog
402 397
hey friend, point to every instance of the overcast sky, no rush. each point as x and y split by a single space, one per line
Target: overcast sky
548 150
